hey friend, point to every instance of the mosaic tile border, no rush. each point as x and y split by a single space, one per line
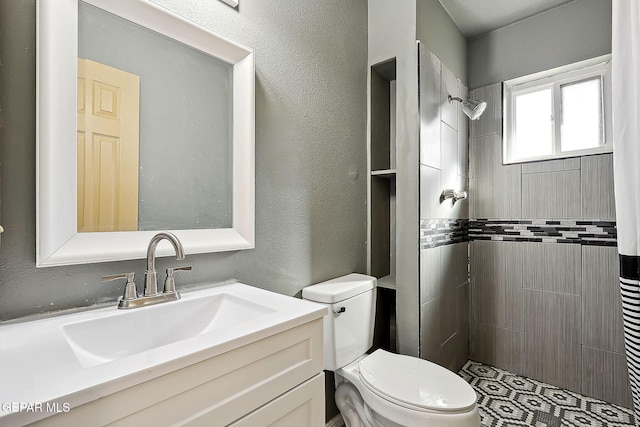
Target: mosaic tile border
582 232
506 399
440 232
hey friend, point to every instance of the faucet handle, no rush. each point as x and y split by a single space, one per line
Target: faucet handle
130 291
169 282
170 271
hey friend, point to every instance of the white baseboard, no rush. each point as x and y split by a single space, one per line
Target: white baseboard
336 421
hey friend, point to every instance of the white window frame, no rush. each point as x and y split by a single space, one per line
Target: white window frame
554 79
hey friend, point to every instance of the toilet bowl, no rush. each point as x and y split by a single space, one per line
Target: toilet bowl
383 389
407 391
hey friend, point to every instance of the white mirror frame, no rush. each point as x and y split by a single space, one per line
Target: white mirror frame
57 239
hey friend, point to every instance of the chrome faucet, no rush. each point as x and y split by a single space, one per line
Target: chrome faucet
151 296
150 280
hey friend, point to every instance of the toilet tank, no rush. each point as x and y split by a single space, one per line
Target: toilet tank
348 328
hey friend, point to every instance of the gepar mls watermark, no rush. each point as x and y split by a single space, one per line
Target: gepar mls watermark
36 407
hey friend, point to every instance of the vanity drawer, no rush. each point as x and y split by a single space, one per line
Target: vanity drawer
302 406
220 390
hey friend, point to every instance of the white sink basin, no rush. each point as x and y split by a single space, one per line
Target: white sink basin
78 357
100 340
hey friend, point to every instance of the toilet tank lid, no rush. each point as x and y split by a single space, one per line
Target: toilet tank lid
339 289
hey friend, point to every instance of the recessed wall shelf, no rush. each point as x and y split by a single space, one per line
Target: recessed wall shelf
384 173
387 282
382 170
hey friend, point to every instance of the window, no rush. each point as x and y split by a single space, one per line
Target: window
565 112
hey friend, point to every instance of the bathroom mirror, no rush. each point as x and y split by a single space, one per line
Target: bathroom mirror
58 241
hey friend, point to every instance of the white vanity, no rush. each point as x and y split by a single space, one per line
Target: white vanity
227 354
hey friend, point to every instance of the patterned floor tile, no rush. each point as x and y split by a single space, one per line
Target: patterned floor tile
506 400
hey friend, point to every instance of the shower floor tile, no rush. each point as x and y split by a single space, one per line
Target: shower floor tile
506 399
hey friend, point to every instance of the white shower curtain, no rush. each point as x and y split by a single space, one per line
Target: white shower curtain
626 154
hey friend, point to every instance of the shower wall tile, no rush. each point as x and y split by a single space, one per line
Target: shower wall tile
464 206
464 318
490 123
473 160
497 283
552 267
431 187
552 165
552 348
439 322
497 347
429 334
454 261
449 111
551 195
430 102
605 376
495 189
430 190
445 328
602 305
463 134
448 314
454 352
432 283
463 302
597 187
459 209
449 152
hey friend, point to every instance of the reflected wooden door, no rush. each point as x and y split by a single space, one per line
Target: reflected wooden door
108 148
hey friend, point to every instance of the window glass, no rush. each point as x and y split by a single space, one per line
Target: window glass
582 124
533 124
558 113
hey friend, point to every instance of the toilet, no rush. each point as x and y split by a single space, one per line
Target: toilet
383 389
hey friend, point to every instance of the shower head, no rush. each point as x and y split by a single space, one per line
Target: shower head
472 108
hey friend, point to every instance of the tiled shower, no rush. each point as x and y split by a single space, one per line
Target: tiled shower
444 286
523 275
544 297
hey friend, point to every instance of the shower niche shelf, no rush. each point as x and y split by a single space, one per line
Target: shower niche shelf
382 199
384 173
387 282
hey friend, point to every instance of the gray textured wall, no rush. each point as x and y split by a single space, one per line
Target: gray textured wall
439 33
310 139
578 30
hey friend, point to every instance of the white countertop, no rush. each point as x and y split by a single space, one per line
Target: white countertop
39 371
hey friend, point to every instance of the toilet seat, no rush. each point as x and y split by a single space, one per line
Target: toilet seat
415 383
